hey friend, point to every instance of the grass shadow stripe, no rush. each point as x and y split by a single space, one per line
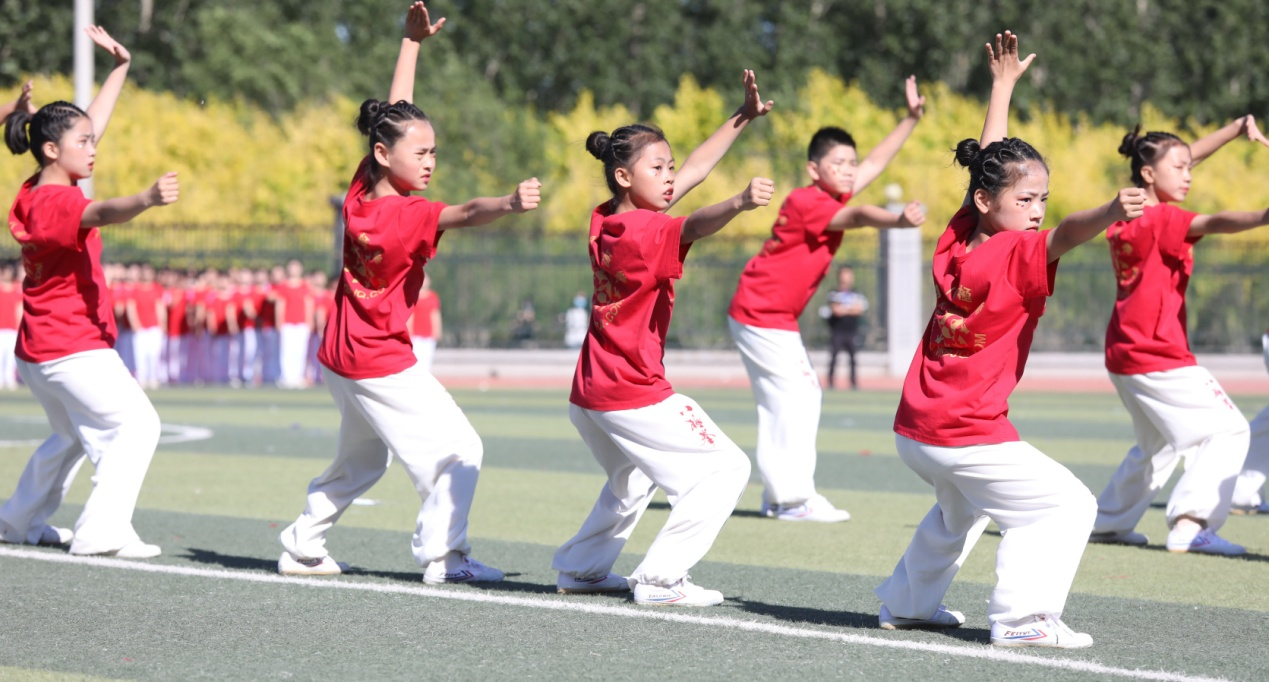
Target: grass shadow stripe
980 652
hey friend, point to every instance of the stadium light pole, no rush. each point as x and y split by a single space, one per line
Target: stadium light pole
83 67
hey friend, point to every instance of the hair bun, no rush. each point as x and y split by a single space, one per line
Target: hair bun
599 144
16 137
371 110
967 151
1129 145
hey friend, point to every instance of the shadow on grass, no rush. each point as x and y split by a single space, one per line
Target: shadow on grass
214 558
866 622
739 513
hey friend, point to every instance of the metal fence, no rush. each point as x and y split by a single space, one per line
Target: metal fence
485 278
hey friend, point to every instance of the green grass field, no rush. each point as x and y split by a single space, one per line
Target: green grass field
799 596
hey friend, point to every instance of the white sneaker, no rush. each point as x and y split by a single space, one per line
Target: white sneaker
1205 541
133 550
682 593
567 584
1248 509
817 508
1130 538
52 536
459 568
289 565
942 618
1046 631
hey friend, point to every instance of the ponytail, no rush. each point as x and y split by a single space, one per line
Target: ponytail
23 131
1145 150
997 166
621 148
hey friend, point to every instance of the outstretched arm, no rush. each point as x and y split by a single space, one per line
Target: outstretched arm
121 210
1227 222
484 210
22 103
1244 126
853 217
884 153
104 103
706 221
1006 69
698 165
418 27
1081 226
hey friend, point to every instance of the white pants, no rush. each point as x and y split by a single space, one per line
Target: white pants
249 349
424 350
221 357
408 415
1179 414
673 445
8 361
95 408
1044 513
788 394
147 347
1256 467
269 351
293 349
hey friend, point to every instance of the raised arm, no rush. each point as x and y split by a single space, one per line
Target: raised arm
1006 69
1244 126
22 103
1228 222
852 217
700 163
706 221
104 103
884 153
418 27
122 209
1081 226
488 209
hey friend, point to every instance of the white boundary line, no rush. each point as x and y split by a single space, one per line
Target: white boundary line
661 614
176 433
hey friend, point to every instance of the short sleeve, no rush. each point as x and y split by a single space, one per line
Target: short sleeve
420 226
666 251
1029 270
1176 239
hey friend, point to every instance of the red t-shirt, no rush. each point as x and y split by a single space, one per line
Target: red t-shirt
635 256
267 309
10 299
147 298
428 302
241 297
387 241
178 301
776 284
66 304
975 348
294 297
1153 258
120 292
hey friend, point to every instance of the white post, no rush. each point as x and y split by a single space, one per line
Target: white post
83 67
903 289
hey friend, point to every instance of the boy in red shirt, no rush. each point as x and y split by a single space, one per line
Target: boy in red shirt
294 300
10 317
389 406
993 270
775 287
147 315
95 408
1179 411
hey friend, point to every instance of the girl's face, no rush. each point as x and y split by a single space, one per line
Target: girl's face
1020 206
409 163
649 181
1169 177
835 171
76 152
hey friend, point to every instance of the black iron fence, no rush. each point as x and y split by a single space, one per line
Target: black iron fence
487 277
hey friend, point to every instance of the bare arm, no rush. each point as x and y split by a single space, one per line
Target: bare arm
104 103
418 27
1081 226
231 318
483 210
1244 126
122 209
700 163
706 221
22 103
1227 222
134 320
160 312
1006 69
852 217
884 153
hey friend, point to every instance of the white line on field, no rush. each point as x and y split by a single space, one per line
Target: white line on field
649 613
172 433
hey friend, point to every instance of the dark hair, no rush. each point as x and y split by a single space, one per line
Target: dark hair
996 167
22 131
823 141
1146 150
386 123
621 148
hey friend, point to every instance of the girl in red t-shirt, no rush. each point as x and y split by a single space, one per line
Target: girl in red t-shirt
389 405
641 432
65 353
1179 411
993 270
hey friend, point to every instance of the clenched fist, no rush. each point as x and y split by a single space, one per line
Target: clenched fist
527 196
758 193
